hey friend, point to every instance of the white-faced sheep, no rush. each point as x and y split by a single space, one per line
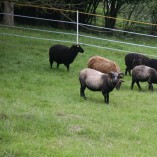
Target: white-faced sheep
104 65
63 55
144 73
134 59
97 81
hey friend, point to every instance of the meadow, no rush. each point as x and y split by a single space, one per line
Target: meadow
43 115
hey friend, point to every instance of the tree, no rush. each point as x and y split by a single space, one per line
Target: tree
144 11
154 21
90 7
8 18
87 6
134 12
112 9
153 13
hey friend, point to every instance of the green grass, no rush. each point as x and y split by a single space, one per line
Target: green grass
42 114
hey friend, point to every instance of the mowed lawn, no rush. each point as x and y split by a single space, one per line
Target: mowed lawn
42 114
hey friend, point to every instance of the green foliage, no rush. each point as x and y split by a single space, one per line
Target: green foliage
42 113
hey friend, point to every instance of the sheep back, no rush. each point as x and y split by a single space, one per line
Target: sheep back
92 79
103 65
152 63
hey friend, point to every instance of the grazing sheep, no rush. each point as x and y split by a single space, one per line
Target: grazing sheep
97 81
104 65
134 59
143 73
63 55
152 63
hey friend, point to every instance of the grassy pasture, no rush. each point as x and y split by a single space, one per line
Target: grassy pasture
42 114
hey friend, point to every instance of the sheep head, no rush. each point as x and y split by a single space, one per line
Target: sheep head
77 48
116 78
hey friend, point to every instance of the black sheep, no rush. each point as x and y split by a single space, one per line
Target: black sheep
63 55
134 59
152 63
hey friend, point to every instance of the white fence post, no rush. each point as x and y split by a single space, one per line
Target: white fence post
77 36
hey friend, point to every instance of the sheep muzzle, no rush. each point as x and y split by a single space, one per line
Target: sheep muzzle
114 77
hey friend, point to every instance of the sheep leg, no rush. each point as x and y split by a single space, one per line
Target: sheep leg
130 72
67 65
126 70
150 86
106 97
82 94
51 62
138 84
132 84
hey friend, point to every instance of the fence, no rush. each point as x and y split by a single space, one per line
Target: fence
79 35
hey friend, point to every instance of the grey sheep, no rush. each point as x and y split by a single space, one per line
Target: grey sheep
134 59
63 55
104 65
143 73
97 81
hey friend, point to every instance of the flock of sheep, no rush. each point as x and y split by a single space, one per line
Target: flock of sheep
103 74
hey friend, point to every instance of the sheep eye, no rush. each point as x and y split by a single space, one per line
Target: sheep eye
110 76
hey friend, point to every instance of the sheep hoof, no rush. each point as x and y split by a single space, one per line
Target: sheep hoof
84 97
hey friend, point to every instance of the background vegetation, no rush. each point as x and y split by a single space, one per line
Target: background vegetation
42 113
113 11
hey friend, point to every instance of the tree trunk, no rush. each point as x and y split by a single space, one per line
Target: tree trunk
112 9
8 18
153 30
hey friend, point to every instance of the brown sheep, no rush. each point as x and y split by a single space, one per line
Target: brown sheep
104 65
